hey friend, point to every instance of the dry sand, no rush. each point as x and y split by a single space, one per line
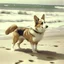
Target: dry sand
50 50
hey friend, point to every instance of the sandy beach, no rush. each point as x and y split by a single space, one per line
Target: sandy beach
50 50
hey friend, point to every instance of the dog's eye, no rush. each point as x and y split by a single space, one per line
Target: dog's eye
41 23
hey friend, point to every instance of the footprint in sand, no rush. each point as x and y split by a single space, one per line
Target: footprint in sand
55 45
7 48
52 62
31 60
19 61
2 47
16 62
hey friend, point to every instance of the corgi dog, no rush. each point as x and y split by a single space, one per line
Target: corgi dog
33 35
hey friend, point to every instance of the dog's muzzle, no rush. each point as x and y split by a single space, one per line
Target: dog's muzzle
46 26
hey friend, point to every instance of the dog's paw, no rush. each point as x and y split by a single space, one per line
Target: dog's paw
12 49
34 51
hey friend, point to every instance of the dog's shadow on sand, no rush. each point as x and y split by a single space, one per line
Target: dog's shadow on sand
43 55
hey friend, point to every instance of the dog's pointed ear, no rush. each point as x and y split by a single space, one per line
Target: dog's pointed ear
43 17
36 19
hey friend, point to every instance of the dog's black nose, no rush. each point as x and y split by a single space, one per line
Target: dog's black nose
46 26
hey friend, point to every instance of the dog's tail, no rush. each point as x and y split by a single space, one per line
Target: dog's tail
11 29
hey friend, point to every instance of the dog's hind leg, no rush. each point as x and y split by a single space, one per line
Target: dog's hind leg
15 39
20 41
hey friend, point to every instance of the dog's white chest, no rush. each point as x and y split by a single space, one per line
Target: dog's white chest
37 37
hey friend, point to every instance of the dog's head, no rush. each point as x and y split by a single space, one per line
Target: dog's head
40 23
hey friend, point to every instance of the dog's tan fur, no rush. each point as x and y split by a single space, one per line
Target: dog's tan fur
29 33
10 29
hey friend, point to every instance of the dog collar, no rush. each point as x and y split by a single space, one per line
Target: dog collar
36 31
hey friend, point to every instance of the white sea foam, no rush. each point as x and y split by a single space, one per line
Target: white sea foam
59 7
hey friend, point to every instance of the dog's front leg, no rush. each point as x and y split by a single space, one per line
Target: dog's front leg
33 49
35 46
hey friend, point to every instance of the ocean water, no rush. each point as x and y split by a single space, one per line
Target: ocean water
25 12
33 7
